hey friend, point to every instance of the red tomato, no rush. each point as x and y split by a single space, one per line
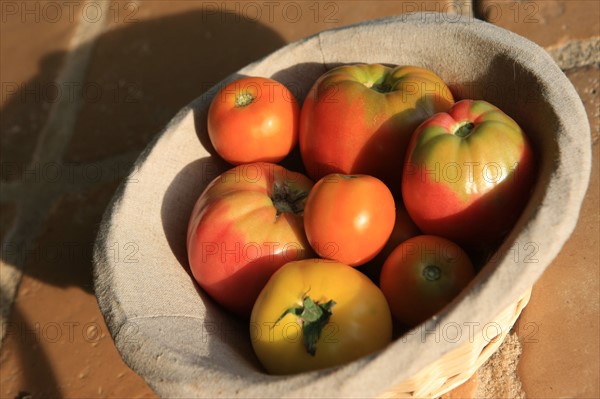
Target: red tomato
253 119
468 174
422 275
245 225
349 218
357 119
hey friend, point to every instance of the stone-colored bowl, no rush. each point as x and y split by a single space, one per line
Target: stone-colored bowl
184 345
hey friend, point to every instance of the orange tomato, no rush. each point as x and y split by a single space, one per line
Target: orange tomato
422 275
253 119
404 228
349 218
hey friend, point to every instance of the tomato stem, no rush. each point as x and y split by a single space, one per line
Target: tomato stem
464 129
313 316
432 273
381 88
243 99
286 199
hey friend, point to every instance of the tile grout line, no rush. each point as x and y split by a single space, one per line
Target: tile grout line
463 7
39 198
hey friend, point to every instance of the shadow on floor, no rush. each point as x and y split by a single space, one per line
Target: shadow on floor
140 74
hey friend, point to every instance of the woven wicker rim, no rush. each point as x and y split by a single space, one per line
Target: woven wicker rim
457 366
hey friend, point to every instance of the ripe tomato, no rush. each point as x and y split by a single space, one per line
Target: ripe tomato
253 119
246 224
422 275
358 119
318 313
468 174
349 218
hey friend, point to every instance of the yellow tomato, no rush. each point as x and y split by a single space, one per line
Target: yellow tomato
317 313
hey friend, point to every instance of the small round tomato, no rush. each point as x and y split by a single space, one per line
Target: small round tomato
422 275
349 218
318 313
253 119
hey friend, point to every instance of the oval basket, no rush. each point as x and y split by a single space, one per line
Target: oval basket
183 345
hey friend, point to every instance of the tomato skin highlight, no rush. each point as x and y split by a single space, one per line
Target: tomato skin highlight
253 119
404 228
360 323
237 237
468 174
357 119
349 218
422 275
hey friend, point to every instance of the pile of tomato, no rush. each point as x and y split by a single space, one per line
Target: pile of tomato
400 191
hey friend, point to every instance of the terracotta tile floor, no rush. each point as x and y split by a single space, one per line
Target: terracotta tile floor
69 135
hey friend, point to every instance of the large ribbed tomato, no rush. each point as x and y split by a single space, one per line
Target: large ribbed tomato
357 119
468 173
318 313
246 224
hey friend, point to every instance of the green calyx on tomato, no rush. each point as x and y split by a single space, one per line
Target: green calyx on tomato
432 273
372 78
379 87
243 99
287 199
422 275
358 119
260 113
313 316
468 173
245 225
359 324
464 129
